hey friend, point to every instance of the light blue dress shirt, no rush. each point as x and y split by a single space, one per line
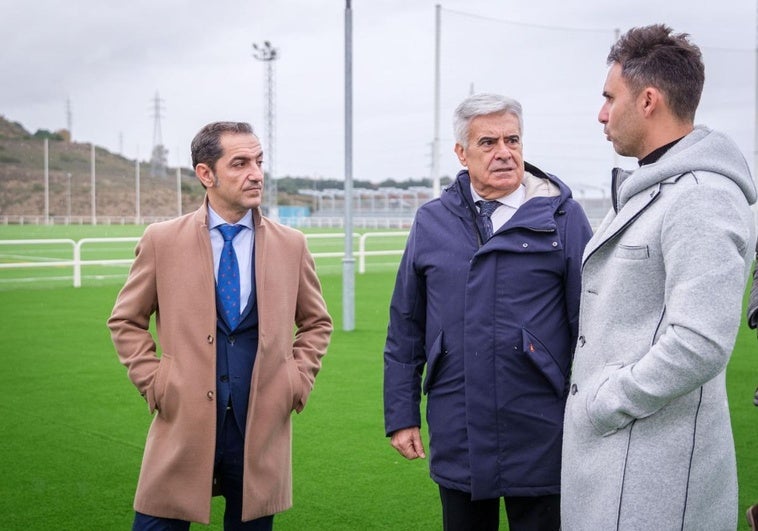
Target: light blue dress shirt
243 247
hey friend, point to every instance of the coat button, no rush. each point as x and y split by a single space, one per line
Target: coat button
573 389
210 395
210 339
555 244
524 245
581 341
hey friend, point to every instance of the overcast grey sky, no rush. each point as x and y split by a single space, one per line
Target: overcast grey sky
110 58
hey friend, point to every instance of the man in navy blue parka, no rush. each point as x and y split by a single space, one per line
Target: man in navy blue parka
490 323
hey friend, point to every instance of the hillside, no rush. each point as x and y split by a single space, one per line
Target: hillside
22 179
22 183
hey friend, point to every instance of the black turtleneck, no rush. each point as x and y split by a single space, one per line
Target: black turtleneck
656 154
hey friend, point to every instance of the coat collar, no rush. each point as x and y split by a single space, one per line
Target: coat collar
201 216
545 193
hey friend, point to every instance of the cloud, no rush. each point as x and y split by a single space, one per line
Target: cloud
110 58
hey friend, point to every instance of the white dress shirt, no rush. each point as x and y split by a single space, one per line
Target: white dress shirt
509 204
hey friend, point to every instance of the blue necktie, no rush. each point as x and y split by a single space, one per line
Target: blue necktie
228 283
486 208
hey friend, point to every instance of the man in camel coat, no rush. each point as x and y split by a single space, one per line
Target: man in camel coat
225 384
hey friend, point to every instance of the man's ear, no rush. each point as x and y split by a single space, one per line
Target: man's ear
205 175
650 99
461 153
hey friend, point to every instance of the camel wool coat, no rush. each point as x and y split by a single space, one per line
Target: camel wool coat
173 278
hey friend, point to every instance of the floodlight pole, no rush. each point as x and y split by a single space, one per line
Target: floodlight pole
92 180
47 183
68 198
178 191
436 141
137 198
348 262
268 54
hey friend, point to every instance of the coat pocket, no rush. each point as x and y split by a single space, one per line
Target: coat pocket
602 409
632 252
296 384
157 395
433 358
544 362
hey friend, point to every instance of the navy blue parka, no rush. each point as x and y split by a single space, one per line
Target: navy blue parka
487 331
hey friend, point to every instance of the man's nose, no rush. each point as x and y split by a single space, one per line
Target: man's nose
602 116
256 173
503 151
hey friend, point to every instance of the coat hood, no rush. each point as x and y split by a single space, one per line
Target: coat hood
703 150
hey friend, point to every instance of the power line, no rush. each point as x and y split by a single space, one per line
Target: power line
526 24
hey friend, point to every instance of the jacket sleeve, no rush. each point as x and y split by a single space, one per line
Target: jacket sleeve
129 322
313 326
404 351
752 305
577 233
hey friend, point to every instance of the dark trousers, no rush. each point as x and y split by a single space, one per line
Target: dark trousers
228 471
525 513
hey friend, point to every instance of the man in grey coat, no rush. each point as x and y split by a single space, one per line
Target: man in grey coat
647 436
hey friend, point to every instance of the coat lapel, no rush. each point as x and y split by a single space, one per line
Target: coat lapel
614 224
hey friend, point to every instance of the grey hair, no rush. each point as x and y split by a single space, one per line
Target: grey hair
482 105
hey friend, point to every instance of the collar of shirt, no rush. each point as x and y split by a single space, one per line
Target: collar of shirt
501 215
513 200
214 219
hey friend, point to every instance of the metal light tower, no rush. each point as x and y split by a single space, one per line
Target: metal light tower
158 157
268 54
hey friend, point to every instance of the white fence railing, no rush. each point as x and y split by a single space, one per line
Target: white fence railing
315 222
77 262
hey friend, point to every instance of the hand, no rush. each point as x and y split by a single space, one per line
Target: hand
408 442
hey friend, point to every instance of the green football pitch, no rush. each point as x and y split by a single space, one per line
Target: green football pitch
74 427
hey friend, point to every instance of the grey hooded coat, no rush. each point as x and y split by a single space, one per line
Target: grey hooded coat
647 436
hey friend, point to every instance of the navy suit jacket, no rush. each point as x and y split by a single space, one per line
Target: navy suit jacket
235 352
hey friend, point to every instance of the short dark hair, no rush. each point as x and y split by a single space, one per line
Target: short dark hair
655 56
206 146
